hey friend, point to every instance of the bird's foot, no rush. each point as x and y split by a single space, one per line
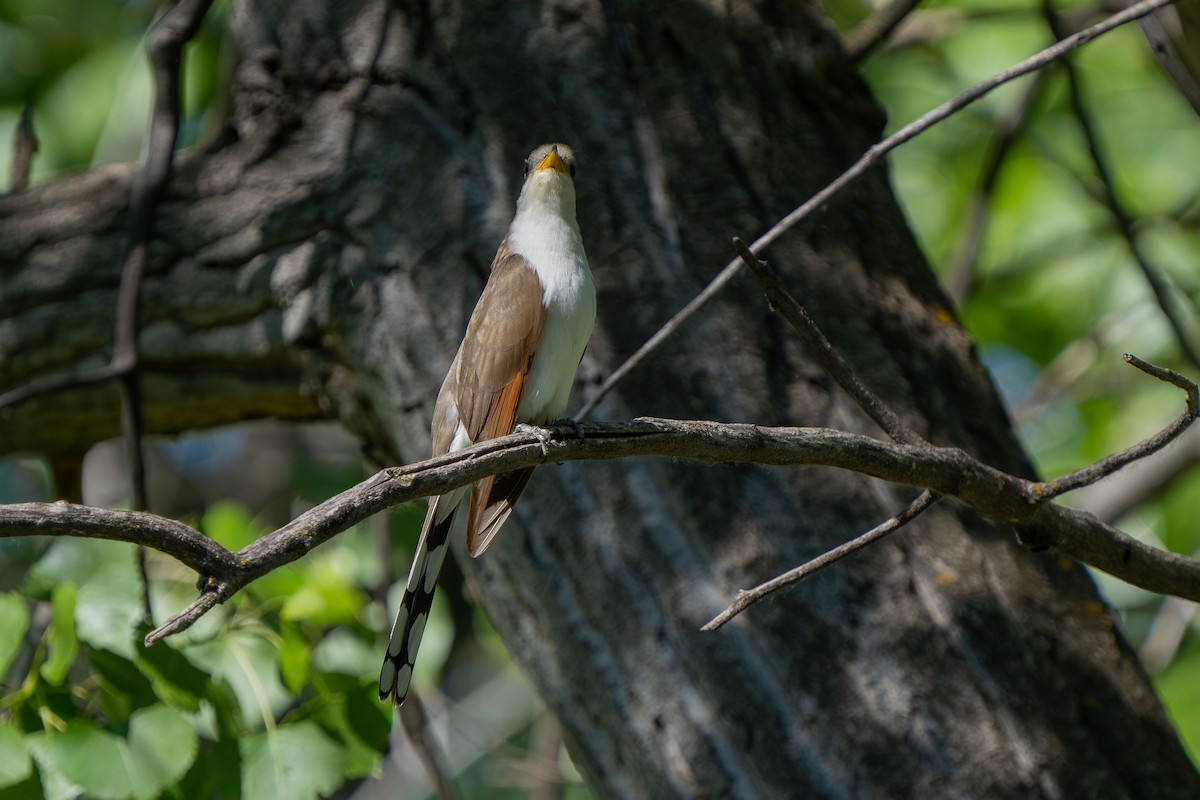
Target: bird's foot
543 435
574 425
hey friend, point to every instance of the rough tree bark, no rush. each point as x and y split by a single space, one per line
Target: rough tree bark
321 259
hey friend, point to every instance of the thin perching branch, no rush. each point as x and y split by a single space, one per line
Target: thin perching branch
748 597
1006 133
943 471
860 167
828 355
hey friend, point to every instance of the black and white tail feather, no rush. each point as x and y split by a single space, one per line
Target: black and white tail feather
409 627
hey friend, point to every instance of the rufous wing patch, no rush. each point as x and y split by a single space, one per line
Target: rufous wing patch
488 515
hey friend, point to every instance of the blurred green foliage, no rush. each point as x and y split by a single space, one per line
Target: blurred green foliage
273 694
1053 295
80 66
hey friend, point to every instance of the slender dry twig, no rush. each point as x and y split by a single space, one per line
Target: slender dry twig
1166 634
1158 283
1149 479
1164 49
1110 464
414 720
860 167
872 31
25 144
1008 130
165 49
748 597
782 301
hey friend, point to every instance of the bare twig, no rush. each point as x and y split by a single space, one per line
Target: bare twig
25 144
61 383
1112 203
1164 47
1110 464
1141 482
872 31
1166 634
210 596
941 470
415 721
748 597
860 167
165 48
960 273
829 357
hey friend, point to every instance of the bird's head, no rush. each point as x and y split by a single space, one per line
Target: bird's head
549 180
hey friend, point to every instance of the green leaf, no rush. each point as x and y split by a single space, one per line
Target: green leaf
15 764
356 718
14 619
160 748
61 635
245 659
93 759
123 688
173 677
216 772
163 745
293 762
325 601
109 603
293 659
1180 693
54 785
230 524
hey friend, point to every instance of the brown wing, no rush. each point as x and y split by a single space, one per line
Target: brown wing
490 370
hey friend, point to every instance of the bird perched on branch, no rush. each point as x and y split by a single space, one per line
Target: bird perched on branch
516 364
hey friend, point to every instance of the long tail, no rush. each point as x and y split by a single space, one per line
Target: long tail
397 669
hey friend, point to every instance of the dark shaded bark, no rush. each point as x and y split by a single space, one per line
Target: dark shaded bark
327 252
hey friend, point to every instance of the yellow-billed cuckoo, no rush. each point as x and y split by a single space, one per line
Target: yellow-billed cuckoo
515 365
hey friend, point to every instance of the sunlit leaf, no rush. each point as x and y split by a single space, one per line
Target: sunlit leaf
1180 692
15 764
294 655
173 677
160 748
61 635
14 619
249 663
229 524
109 599
290 763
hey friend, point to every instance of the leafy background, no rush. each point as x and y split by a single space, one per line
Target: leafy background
273 695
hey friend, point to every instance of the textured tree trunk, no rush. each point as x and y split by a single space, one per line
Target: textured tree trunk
323 257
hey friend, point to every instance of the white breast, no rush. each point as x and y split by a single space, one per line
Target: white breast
545 232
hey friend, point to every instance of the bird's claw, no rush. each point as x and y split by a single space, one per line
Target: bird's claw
541 434
574 424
